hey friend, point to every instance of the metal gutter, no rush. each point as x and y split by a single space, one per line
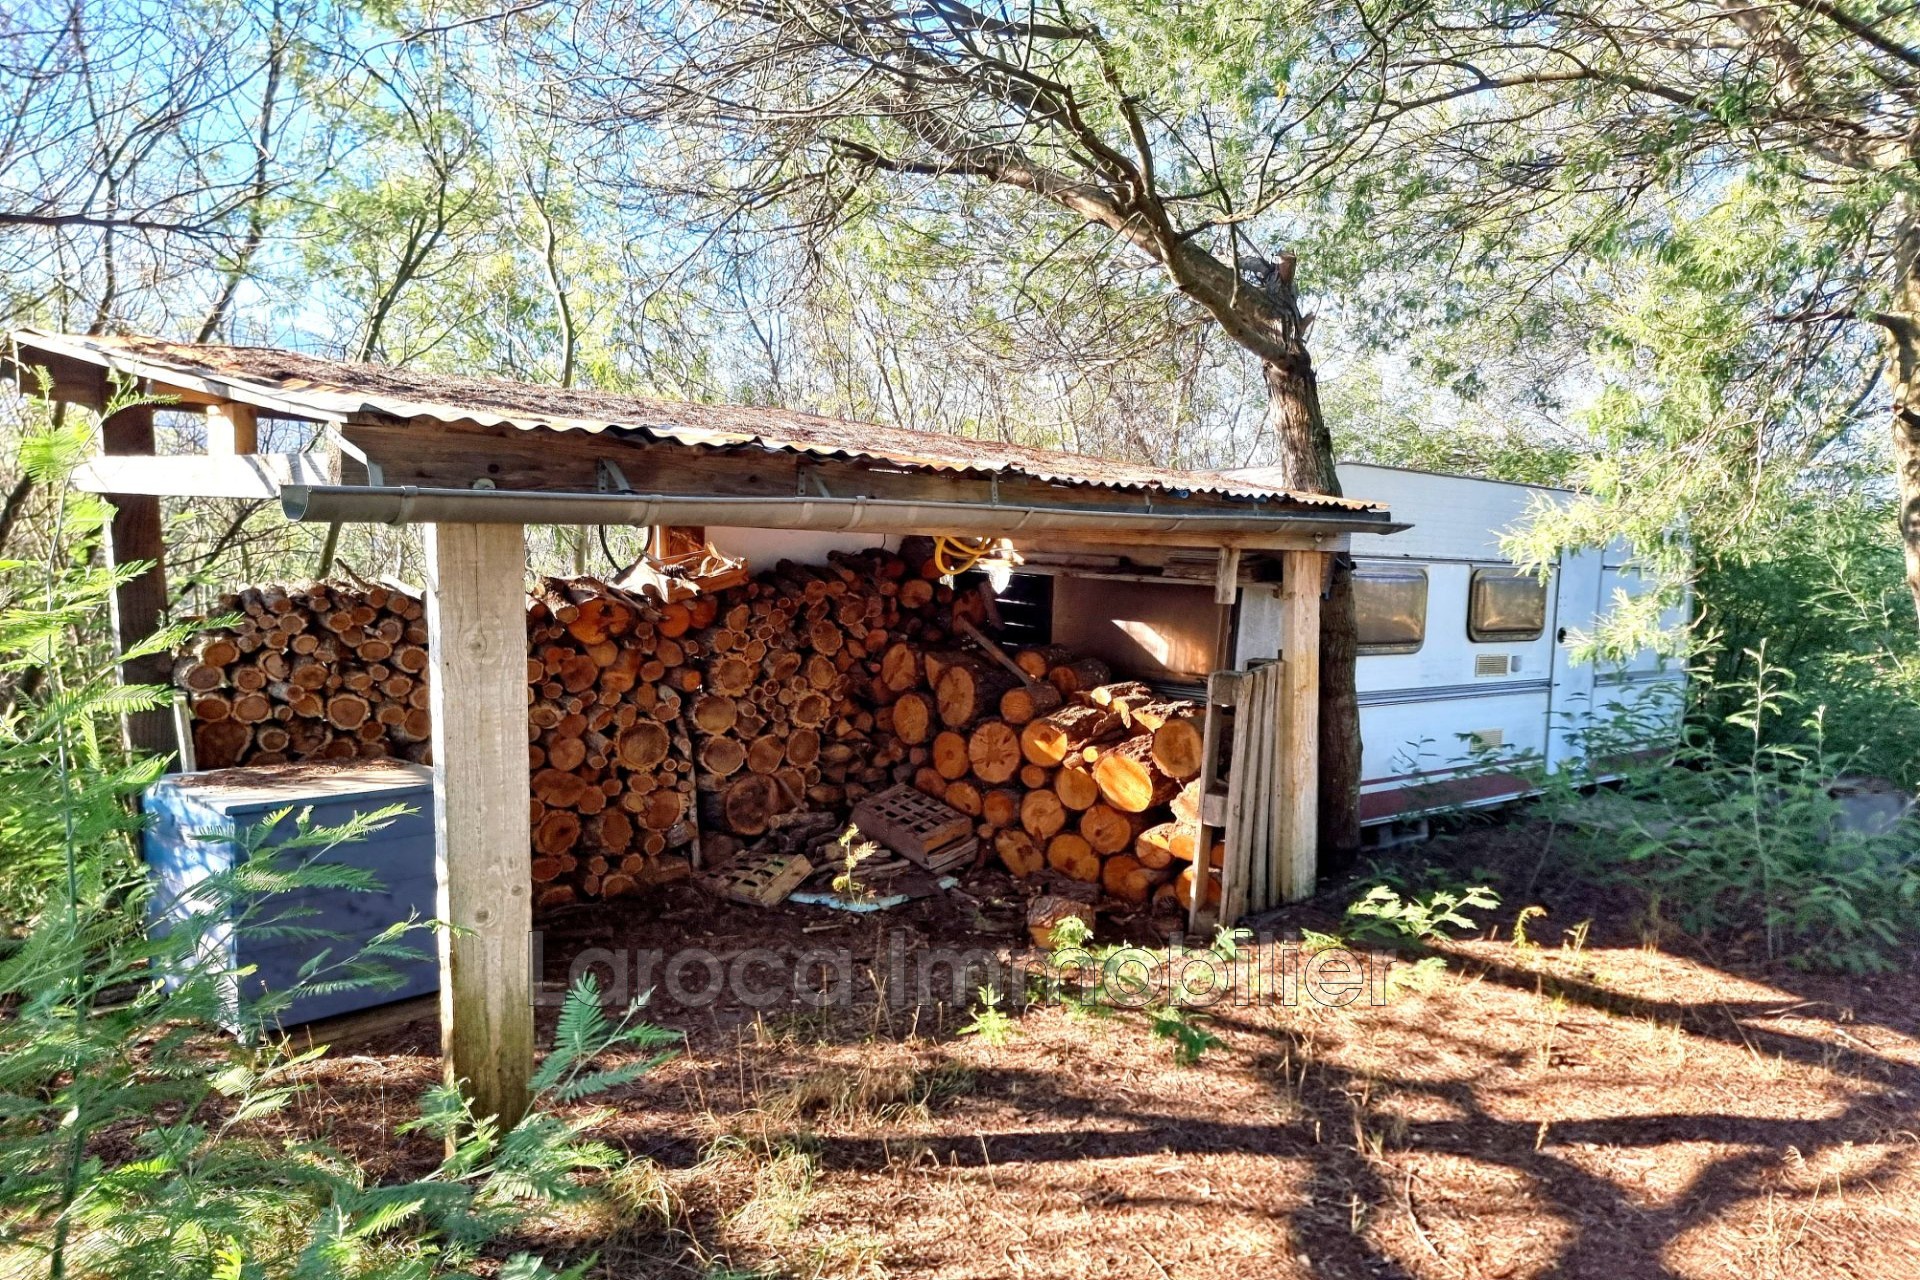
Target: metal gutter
364 504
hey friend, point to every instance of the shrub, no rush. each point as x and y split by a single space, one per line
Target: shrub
1755 841
136 1133
132 1141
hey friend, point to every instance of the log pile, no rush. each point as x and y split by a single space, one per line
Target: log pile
323 672
724 716
1059 765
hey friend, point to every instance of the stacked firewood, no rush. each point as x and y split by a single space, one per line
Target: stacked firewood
648 719
324 672
1061 766
654 722
722 715
610 759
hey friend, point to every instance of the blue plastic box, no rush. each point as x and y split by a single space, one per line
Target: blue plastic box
184 806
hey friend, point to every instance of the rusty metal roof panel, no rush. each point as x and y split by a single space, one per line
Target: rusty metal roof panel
333 390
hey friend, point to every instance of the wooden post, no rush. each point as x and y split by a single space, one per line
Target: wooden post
232 428
1226 576
140 605
476 612
1226 596
1303 575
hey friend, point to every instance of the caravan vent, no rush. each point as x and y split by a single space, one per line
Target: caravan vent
1490 664
1487 739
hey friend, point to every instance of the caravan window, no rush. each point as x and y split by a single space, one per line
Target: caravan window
1506 604
1390 606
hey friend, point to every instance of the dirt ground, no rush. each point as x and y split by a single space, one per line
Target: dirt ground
1608 1101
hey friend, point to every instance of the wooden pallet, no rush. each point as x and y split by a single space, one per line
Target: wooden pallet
761 881
917 827
958 854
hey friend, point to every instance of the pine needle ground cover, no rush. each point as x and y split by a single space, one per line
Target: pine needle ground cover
1602 1097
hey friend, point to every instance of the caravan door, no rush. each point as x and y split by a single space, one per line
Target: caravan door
1576 607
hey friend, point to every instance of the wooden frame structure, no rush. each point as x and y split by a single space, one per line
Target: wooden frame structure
447 454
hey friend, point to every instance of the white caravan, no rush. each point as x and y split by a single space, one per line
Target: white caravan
1464 659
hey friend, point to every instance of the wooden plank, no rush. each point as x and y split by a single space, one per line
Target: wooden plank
232 428
347 1029
1246 803
1226 578
1225 687
1269 766
60 378
994 651
1247 768
1260 770
139 605
1241 803
476 610
1277 829
183 733
1310 535
259 475
1298 725
1222 691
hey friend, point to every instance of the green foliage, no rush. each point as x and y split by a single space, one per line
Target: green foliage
1226 941
1131 981
64 781
200 1176
1421 977
990 1022
1709 421
139 1135
1823 594
853 852
1312 940
1416 427
1520 939
1407 913
1754 843
583 1033
1382 915
1182 1026
1070 934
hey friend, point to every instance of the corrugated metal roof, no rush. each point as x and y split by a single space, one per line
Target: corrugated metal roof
334 390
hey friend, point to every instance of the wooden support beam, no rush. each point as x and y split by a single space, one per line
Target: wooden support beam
1296 848
60 378
1266 803
190 475
140 604
232 428
476 612
1226 578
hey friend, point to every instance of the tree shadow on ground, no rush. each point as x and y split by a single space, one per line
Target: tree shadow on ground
1356 1181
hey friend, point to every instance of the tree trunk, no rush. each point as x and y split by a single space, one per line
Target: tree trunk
1304 454
1903 332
